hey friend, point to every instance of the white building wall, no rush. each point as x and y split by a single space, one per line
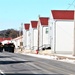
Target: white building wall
32 43
30 39
51 34
52 31
27 40
17 44
17 41
45 36
61 36
64 36
40 37
35 38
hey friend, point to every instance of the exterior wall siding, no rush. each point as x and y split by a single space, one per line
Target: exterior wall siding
28 45
32 39
40 37
45 36
35 38
52 35
62 37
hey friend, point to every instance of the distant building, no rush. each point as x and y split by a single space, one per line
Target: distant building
17 41
44 32
26 38
5 40
34 35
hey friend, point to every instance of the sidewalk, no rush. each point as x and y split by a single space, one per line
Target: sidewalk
59 57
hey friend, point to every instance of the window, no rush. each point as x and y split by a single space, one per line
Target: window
46 30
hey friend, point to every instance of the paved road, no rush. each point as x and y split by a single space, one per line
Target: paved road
17 64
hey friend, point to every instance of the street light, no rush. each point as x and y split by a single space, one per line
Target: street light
21 30
38 35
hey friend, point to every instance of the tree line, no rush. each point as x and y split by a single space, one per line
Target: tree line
9 33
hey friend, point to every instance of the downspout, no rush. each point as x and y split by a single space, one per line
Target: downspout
42 36
38 36
55 36
38 27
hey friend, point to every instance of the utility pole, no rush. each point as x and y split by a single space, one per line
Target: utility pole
21 30
38 35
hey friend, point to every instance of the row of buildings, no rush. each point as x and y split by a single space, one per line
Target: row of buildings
55 33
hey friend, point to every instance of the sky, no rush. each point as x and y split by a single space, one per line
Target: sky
13 13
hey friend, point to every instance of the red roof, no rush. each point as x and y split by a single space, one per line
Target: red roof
63 14
34 24
27 26
44 21
2 39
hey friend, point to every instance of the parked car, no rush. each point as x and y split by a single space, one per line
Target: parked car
1 47
6 47
9 47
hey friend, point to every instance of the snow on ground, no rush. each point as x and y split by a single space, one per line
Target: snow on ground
54 58
68 61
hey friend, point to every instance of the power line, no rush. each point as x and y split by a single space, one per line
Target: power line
71 4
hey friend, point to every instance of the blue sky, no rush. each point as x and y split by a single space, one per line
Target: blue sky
15 12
